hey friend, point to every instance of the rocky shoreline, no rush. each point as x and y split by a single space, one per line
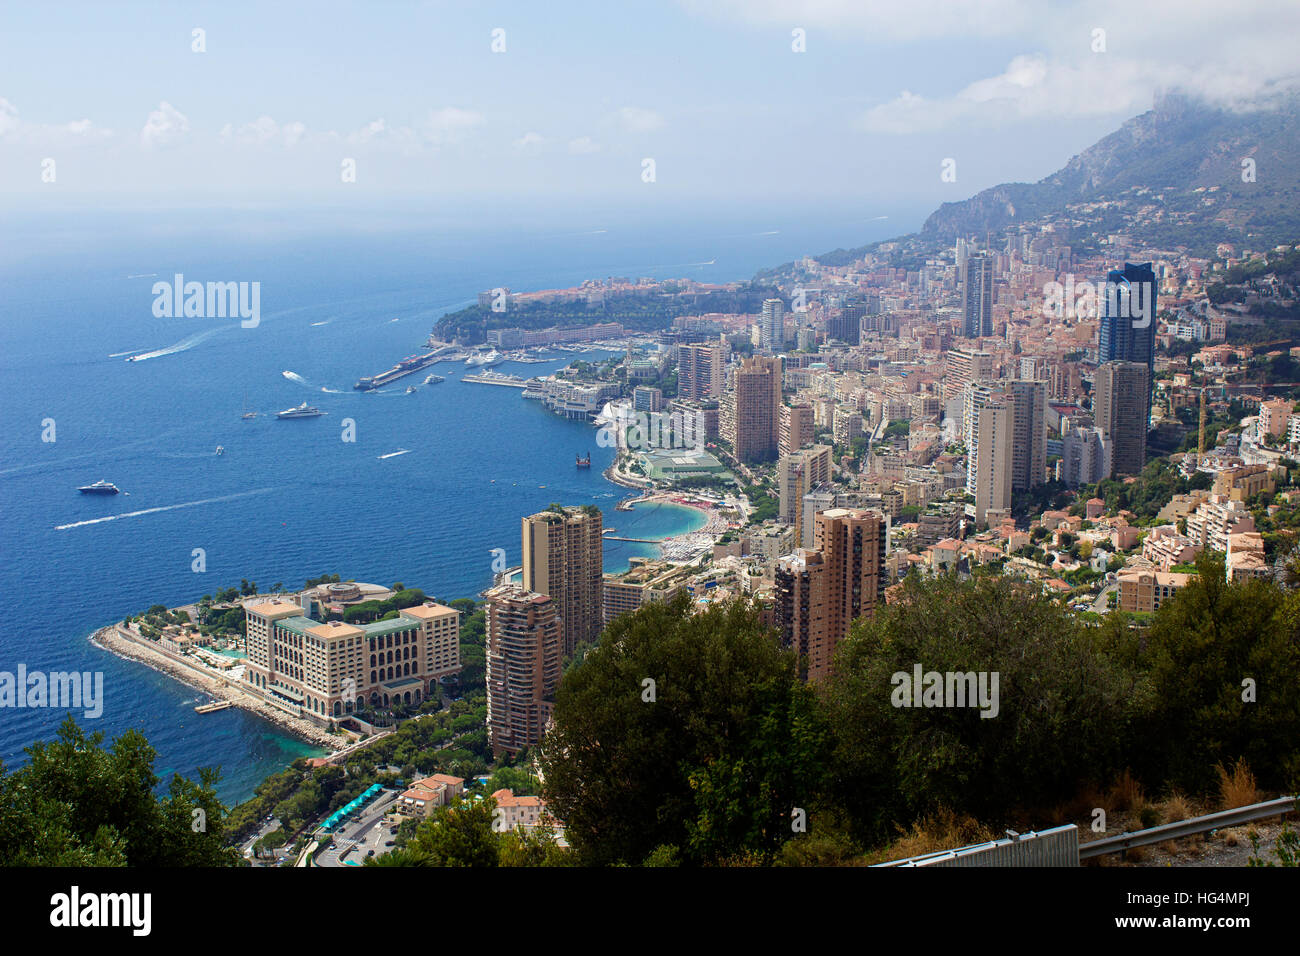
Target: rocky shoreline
115 641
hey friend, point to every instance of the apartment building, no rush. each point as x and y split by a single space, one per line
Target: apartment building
564 558
1142 590
525 653
1121 407
797 474
700 371
796 429
1216 518
750 411
643 582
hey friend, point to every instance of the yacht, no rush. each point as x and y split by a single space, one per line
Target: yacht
301 411
100 487
493 358
410 389
220 450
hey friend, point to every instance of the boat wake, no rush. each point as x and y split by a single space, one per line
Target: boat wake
316 325
295 377
394 454
184 345
161 508
120 354
331 391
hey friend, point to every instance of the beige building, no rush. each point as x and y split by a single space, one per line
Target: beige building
524 657
424 796
564 558
994 457
1144 590
325 671
701 371
643 582
797 474
796 428
749 413
1242 483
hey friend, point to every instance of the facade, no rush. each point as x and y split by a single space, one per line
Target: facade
820 592
564 559
1215 519
643 582
977 297
700 372
1029 440
750 412
1127 323
1144 590
1121 406
796 428
1085 456
524 656
326 671
647 398
965 366
994 457
797 474
771 326
426 795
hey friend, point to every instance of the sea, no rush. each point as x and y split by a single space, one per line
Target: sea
342 293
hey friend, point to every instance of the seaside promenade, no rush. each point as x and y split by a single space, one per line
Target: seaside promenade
117 641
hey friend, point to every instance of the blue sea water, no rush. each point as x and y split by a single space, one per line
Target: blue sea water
289 499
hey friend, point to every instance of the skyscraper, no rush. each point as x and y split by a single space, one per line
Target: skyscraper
749 413
1121 405
564 559
524 658
797 474
700 371
820 592
1029 439
846 325
771 326
977 297
796 428
1127 327
994 459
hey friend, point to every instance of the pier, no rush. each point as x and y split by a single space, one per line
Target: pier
213 707
496 378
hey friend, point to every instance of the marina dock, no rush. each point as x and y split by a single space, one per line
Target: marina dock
213 707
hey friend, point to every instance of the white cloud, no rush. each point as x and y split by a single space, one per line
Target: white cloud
8 117
14 129
452 125
265 131
528 140
164 126
637 120
583 144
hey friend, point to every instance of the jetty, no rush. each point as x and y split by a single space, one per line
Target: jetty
213 707
496 378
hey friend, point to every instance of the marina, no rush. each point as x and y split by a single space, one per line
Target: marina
496 378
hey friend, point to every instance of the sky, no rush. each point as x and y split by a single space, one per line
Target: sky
694 103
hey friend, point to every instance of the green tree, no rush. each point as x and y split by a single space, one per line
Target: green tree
711 757
1059 720
77 803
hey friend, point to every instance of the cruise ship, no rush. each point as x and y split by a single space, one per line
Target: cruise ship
302 411
100 487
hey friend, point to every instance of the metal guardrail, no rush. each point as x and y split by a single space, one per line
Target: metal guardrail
1189 827
1058 846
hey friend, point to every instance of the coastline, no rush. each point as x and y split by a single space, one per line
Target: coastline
115 641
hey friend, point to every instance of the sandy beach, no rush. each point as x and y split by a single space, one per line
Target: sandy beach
114 640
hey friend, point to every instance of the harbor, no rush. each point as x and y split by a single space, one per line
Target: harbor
496 378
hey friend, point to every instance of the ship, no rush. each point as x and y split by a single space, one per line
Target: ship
410 390
408 365
493 358
433 379
302 411
583 462
100 487
220 450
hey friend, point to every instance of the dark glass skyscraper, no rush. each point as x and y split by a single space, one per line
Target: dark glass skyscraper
1128 319
977 297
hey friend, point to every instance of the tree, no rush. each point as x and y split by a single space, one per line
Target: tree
1201 648
457 835
78 804
1059 705
683 729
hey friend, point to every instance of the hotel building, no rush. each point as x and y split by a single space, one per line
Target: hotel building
524 656
327 671
564 558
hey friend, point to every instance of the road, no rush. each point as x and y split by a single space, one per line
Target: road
355 839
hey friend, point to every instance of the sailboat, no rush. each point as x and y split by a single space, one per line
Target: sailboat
247 415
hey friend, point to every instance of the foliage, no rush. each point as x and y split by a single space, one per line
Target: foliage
77 803
713 764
